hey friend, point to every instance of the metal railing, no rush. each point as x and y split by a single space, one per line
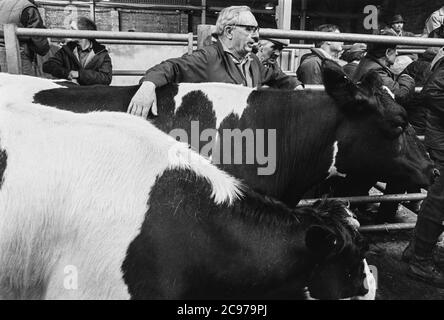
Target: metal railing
12 34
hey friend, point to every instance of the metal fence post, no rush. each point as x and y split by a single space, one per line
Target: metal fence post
12 47
204 35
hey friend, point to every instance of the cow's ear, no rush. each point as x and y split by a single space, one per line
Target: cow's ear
350 97
321 241
337 84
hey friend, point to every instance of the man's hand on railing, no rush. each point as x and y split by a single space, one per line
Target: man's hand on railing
144 100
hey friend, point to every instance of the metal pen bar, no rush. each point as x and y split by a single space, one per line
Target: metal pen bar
319 87
352 37
28 32
388 227
372 199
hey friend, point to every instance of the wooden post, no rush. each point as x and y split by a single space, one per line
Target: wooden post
12 47
283 14
190 42
204 32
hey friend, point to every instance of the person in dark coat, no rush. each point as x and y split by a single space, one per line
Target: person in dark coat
268 52
379 58
420 70
24 14
309 71
352 56
425 260
83 61
229 60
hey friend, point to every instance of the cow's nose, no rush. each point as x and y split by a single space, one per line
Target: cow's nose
436 173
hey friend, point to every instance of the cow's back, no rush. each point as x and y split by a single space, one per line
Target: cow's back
74 195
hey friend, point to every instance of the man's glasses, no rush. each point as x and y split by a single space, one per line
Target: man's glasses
248 28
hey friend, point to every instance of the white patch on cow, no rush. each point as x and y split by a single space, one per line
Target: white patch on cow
333 171
389 92
75 193
352 220
369 283
21 88
226 98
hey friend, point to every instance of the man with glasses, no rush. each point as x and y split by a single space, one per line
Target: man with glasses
229 60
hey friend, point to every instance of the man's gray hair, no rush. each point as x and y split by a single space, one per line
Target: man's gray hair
229 16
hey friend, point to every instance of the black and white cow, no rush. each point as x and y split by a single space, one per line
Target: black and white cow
354 131
106 206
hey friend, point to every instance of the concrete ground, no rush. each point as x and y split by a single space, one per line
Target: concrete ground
385 254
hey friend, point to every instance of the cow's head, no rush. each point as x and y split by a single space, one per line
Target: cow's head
339 251
374 135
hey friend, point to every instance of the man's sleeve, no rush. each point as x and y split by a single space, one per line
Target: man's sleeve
188 68
403 88
31 18
103 75
55 66
433 22
433 90
276 78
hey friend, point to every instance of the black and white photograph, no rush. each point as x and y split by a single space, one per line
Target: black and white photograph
223 155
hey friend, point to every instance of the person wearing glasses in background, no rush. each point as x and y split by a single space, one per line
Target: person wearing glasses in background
229 60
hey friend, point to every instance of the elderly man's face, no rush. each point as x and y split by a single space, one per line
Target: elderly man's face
268 52
398 26
245 34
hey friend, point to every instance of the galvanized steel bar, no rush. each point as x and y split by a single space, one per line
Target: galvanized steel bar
28 32
128 72
319 87
143 42
388 227
352 37
372 199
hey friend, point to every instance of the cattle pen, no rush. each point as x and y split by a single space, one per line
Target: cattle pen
12 33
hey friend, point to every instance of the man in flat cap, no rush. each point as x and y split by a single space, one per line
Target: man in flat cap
397 26
269 50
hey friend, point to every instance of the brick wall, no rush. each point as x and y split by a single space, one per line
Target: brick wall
153 21
108 19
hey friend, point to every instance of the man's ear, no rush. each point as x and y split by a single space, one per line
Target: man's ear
389 52
229 31
321 241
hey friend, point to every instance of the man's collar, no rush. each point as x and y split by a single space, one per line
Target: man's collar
87 49
324 53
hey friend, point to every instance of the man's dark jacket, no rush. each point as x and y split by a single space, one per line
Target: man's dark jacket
97 71
310 68
433 93
402 87
212 64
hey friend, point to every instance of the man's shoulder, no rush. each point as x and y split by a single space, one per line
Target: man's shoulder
310 59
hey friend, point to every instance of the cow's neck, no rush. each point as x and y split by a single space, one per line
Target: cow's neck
305 126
